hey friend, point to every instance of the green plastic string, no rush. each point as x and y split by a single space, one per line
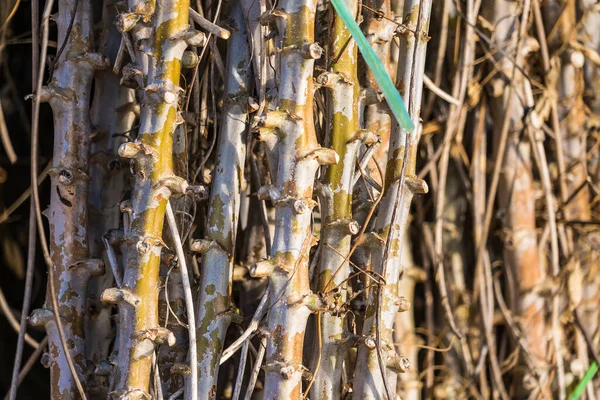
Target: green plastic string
589 374
381 76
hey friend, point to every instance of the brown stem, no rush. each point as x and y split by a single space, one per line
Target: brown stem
515 194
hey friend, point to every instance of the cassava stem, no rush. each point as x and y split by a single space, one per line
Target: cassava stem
299 157
401 184
215 305
152 158
336 203
68 93
380 32
112 114
573 120
516 183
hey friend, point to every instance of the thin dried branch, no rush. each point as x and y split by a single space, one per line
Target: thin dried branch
10 316
189 303
5 137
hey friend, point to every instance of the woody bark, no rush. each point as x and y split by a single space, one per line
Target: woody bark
401 183
562 27
299 157
161 34
68 93
113 113
516 191
215 305
336 205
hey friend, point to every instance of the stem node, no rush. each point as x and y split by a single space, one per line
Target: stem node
116 295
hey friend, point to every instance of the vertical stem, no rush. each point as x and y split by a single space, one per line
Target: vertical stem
561 19
299 157
447 183
573 116
154 182
516 180
69 95
215 305
380 32
336 205
112 114
392 221
264 66
405 337
591 40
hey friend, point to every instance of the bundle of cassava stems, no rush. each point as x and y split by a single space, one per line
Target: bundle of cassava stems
234 212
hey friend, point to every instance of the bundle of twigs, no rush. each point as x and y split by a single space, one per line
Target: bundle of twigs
236 212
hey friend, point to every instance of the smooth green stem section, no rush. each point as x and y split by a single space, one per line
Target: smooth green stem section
383 78
580 388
